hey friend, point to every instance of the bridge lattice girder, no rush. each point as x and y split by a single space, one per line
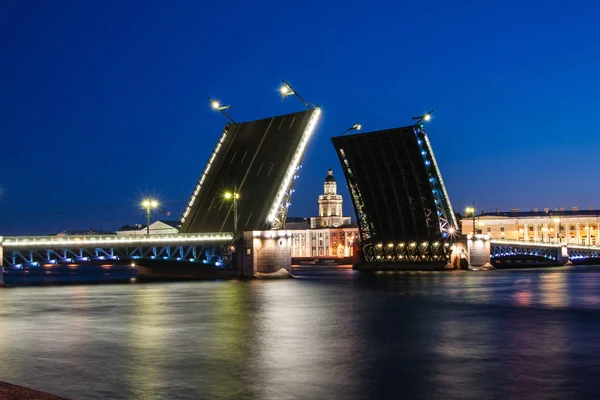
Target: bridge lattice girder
499 251
398 195
191 248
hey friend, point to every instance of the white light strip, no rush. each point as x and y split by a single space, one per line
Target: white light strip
437 170
287 180
524 243
203 176
582 247
19 241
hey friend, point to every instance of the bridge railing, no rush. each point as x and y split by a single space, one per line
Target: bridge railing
112 240
526 243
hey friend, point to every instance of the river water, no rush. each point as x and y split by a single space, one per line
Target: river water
530 334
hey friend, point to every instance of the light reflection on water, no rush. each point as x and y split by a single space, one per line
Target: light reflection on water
501 334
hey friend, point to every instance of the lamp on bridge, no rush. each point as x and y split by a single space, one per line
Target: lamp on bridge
355 127
149 204
471 210
287 90
216 105
234 196
425 117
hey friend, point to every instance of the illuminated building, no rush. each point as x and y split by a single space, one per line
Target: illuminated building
330 234
330 206
558 226
156 228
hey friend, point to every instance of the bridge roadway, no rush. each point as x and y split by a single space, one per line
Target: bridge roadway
17 251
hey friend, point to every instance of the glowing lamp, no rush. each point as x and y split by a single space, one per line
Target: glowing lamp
284 90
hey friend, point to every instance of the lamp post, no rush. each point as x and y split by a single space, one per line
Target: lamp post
234 196
355 127
149 204
216 105
424 117
287 90
472 211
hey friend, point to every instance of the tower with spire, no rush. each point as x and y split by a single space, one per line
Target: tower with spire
330 206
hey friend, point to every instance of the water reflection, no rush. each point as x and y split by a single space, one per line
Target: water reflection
504 334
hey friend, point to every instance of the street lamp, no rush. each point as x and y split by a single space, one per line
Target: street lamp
424 117
287 90
216 105
234 196
355 127
149 204
471 210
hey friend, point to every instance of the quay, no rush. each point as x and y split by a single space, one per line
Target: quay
14 392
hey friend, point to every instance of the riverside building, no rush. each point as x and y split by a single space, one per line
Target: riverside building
554 226
329 234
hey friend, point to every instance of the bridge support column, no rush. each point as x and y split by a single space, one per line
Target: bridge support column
563 255
479 250
267 254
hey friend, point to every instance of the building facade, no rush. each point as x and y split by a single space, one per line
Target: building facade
324 242
328 235
156 228
330 206
558 226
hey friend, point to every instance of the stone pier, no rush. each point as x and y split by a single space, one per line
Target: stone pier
478 250
265 254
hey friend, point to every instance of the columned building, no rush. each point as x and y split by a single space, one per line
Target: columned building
330 235
558 226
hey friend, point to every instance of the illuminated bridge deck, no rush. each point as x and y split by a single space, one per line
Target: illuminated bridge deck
187 247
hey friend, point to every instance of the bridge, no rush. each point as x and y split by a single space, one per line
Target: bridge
256 161
403 211
19 251
531 252
402 208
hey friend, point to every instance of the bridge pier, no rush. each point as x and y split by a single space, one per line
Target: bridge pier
266 254
479 250
563 255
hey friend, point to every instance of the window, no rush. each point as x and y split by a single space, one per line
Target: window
501 229
489 229
531 229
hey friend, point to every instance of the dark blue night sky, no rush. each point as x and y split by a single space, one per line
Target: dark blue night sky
102 102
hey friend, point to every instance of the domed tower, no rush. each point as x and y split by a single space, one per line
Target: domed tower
330 186
330 205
